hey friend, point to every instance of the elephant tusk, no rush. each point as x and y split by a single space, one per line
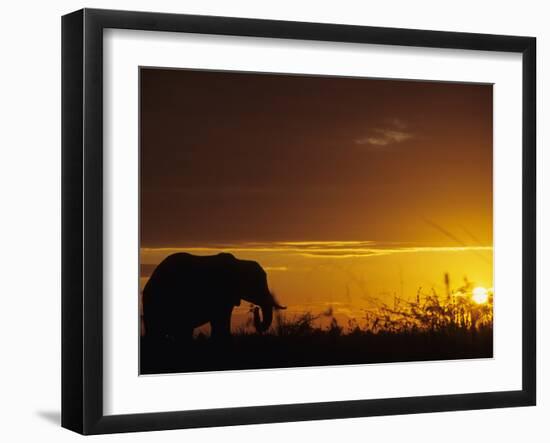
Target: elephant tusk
276 305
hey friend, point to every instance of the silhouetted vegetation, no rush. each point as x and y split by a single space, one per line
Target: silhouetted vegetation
431 327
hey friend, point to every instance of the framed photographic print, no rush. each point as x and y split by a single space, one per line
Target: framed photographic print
269 221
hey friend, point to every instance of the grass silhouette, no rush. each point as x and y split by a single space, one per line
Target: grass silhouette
431 327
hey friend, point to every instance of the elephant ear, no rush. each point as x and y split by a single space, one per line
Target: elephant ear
233 288
229 278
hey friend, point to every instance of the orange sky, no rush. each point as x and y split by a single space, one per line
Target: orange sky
348 191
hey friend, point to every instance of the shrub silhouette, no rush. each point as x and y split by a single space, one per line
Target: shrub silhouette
457 310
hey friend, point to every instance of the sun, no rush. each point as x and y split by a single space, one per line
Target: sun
480 295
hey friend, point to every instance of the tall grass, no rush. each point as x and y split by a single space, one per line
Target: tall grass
455 310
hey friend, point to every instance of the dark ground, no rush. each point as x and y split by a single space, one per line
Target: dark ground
323 349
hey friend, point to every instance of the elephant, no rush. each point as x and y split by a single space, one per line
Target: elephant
186 291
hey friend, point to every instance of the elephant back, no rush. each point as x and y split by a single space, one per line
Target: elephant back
183 273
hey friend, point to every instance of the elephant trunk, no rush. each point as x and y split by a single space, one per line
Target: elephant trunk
264 323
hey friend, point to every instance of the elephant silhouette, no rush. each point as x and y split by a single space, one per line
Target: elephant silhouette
186 291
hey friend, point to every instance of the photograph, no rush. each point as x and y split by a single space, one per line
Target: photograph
275 220
293 220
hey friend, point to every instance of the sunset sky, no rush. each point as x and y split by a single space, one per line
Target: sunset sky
348 191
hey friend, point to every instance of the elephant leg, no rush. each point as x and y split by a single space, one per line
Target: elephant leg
221 326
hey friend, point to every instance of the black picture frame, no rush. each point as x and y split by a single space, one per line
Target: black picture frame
82 218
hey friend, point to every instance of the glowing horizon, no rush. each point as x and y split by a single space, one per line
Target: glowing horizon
350 284
348 191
